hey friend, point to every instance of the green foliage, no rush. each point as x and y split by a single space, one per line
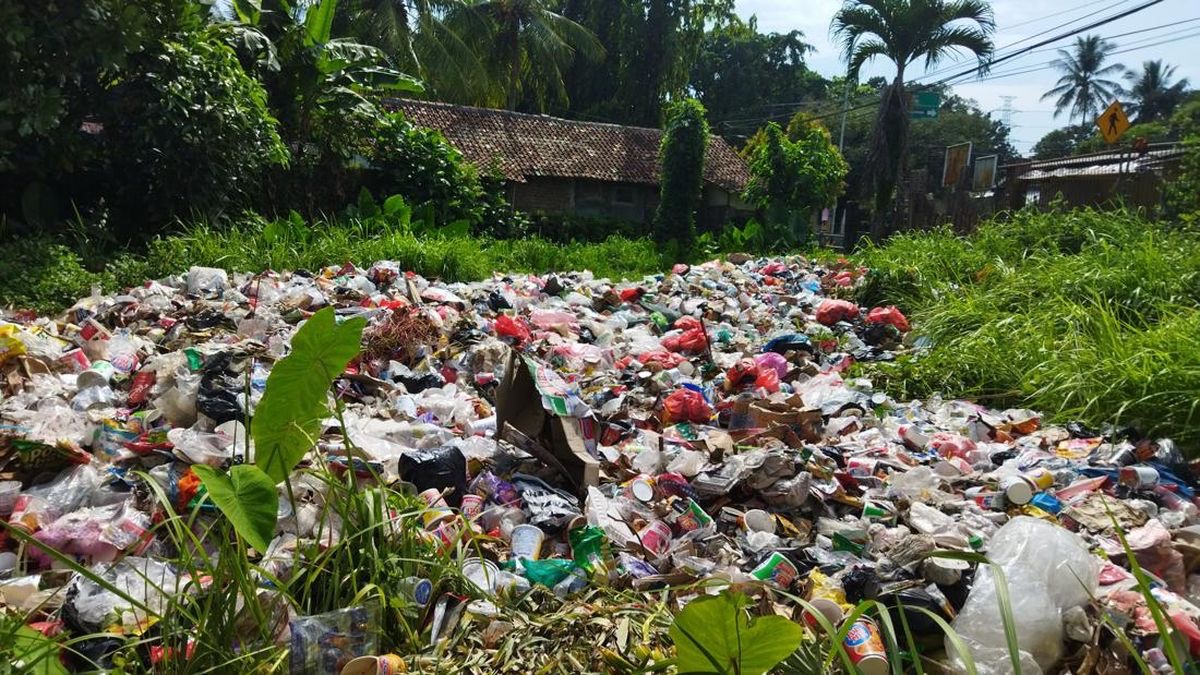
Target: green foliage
682 179
770 68
26 651
423 167
649 47
1063 142
193 130
1081 314
38 273
247 497
715 634
287 424
791 176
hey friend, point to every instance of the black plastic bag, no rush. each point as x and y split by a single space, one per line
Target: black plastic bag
439 468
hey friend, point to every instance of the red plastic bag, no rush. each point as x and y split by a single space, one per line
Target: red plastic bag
767 379
507 327
632 294
890 315
686 405
742 374
693 341
688 323
832 311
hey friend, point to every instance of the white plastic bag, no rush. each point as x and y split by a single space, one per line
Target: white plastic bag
1049 570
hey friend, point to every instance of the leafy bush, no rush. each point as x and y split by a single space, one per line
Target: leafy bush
792 175
194 133
682 159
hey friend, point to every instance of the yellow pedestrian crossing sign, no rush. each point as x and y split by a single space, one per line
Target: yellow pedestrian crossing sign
1113 122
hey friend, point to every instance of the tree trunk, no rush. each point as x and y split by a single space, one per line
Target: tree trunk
885 159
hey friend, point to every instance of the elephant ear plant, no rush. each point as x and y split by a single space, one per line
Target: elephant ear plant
286 424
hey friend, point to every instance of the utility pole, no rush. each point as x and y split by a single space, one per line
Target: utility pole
833 211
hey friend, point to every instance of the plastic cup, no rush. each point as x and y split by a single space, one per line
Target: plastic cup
98 375
757 520
527 541
482 574
656 537
472 506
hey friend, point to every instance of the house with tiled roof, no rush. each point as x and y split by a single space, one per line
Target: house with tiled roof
560 166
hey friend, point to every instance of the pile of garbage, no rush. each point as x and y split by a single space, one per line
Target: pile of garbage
700 425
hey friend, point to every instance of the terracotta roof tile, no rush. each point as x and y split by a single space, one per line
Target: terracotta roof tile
523 146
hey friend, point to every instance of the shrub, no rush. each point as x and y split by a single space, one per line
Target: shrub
190 132
792 175
682 158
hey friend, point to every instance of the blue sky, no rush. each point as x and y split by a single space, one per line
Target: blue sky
1017 20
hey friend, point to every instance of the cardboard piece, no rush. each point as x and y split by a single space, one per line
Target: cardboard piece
520 404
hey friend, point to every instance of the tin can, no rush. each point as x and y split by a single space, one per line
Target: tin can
776 569
472 506
1041 477
656 537
527 541
143 382
1139 477
865 648
99 374
417 590
990 501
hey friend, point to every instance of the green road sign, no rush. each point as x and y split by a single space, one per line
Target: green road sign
925 105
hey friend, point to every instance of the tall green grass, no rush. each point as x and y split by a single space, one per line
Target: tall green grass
1081 314
47 276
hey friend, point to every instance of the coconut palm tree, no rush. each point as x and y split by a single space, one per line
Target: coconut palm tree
905 32
416 36
527 45
1085 88
1152 96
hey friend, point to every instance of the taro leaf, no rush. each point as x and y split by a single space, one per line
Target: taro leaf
714 634
248 499
35 653
288 420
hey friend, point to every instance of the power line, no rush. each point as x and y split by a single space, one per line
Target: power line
800 104
1095 24
986 66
